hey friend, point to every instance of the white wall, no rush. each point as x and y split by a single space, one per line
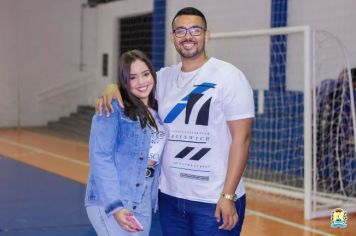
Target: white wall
40 48
8 71
336 17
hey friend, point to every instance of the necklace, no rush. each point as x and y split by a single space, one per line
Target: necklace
181 82
185 80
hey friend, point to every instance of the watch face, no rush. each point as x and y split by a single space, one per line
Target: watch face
231 197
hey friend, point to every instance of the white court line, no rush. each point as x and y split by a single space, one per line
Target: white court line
248 211
289 223
41 151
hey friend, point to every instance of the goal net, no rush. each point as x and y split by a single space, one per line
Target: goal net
303 142
334 159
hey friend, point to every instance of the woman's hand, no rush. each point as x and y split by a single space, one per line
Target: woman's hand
123 219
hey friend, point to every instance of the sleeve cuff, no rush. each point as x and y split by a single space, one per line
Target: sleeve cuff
240 117
113 207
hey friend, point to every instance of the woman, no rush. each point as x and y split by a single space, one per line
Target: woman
124 154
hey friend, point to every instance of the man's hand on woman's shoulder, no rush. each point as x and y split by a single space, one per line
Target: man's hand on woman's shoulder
104 100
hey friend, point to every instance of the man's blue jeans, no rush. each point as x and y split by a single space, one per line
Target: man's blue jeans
190 218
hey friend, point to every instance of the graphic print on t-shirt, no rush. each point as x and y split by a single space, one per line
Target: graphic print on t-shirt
196 157
188 103
194 137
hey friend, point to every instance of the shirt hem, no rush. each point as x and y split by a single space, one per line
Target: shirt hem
240 117
205 200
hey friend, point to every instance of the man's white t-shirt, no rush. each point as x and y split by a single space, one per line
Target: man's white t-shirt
195 108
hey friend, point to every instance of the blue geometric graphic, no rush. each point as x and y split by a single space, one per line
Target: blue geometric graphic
177 109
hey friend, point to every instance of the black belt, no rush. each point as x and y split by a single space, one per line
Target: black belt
150 171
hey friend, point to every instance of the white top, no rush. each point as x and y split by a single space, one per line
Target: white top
158 139
195 108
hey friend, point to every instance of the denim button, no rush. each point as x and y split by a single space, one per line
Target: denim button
134 207
141 158
137 184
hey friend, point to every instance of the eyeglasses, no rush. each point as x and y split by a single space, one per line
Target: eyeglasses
193 31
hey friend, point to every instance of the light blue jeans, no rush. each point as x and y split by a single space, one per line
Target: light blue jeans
107 225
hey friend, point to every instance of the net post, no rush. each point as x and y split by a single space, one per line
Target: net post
308 158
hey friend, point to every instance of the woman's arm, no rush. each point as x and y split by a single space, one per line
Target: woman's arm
102 145
103 138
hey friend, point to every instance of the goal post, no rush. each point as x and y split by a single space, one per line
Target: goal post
334 136
287 136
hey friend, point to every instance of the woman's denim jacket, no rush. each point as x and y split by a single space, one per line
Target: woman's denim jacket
118 152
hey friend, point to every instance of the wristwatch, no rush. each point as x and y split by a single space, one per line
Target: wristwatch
231 197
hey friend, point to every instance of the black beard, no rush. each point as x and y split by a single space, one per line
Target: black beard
189 55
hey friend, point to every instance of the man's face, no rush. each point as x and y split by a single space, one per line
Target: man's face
189 46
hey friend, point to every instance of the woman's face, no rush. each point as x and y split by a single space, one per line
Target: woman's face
141 81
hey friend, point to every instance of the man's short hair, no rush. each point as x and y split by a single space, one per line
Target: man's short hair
190 11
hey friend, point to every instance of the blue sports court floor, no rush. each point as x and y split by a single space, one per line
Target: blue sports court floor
34 202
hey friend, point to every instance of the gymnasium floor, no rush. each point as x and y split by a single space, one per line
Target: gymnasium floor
42 184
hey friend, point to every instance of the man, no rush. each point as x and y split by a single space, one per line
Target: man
207 107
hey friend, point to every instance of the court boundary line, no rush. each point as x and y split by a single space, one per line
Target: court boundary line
41 151
71 142
248 211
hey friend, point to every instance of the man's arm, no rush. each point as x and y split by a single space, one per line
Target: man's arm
241 137
104 100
